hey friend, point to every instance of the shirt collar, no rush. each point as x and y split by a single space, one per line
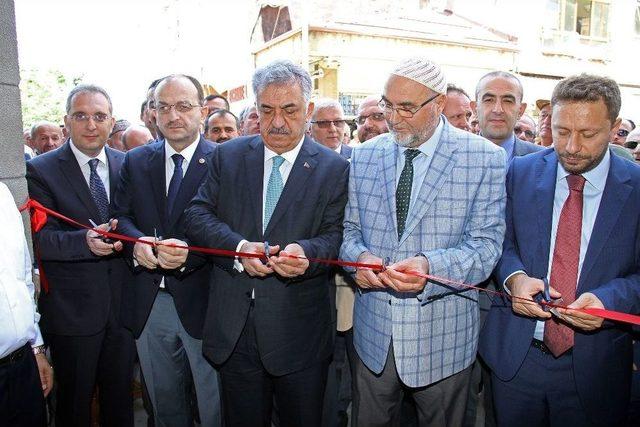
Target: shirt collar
339 149
187 153
597 176
428 148
83 158
290 156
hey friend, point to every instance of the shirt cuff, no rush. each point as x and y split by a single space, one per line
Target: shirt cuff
504 284
37 341
236 262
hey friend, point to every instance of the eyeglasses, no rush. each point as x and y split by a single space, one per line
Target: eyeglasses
181 107
622 133
84 117
527 132
405 112
376 117
326 124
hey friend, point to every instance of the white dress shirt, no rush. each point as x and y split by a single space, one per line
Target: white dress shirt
285 169
596 179
18 315
102 169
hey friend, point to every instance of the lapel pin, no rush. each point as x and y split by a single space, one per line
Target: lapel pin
201 160
306 165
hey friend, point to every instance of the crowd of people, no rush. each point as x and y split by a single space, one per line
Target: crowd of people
458 220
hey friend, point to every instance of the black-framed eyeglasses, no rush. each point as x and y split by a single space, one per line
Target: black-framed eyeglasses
528 133
376 117
622 133
405 112
181 107
84 117
326 124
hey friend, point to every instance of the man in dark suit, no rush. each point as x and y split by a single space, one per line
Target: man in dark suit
498 106
327 126
85 275
565 226
166 302
269 325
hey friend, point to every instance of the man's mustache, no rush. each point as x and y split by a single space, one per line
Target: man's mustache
279 131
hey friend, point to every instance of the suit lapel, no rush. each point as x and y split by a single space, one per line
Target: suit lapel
158 179
114 162
614 198
254 169
546 171
302 169
439 169
72 172
387 166
191 181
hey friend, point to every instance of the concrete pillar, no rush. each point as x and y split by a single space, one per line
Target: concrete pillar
12 165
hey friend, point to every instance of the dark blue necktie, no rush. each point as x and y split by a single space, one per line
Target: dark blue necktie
174 184
98 192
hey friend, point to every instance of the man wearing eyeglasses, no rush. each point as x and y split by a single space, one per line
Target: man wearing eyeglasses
425 199
544 137
327 126
626 126
82 273
370 119
166 303
525 128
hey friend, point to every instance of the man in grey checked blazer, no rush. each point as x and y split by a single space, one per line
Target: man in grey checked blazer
414 336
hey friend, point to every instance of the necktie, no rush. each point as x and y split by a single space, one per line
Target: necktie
98 192
564 267
174 184
403 192
274 189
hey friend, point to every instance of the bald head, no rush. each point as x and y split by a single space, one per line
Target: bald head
46 136
136 136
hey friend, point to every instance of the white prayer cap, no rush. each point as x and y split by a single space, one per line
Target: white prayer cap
423 71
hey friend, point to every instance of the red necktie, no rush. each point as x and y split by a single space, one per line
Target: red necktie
564 268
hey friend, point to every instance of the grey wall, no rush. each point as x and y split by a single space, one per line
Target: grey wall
11 143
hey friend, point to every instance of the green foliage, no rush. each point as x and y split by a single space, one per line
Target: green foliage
43 94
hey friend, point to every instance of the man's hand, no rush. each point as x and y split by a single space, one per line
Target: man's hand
46 373
97 246
169 257
396 277
254 266
286 266
581 320
143 253
523 287
365 277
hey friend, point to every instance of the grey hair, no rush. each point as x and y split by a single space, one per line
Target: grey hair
245 112
36 126
325 103
88 88
501 74
589 88
281 72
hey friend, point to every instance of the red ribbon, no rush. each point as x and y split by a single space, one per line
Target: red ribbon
41 213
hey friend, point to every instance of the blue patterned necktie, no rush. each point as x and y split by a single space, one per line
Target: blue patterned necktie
274 189
403 192
176 180
98 192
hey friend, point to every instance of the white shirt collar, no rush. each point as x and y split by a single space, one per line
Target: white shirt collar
597 176
83 159
187 153
290 156
339 149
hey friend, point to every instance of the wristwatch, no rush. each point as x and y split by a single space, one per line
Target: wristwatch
39 349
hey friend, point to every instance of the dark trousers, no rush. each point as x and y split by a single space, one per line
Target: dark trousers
543 393
379 397
21 398
82 362
248 390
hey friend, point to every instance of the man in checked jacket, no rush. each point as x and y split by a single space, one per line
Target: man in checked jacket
431 199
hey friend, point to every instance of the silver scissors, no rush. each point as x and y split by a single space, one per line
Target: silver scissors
102 237
546 296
